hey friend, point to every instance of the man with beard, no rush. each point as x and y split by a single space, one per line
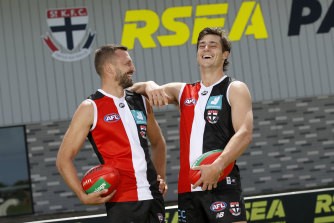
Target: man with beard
118 122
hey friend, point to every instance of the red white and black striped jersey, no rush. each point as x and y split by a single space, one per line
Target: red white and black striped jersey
118 137
205 124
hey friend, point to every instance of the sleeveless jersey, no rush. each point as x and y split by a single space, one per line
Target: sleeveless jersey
205 125
118 137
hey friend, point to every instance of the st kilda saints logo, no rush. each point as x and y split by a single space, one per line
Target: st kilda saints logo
143 131
212 116
68 39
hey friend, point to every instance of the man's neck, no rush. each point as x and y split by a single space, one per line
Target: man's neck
113 89
210 77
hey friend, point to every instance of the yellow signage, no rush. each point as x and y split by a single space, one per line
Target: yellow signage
264 210
142 24
324 208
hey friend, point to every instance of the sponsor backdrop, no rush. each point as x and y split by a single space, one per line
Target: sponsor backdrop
281 48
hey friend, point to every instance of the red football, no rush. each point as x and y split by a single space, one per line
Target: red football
208 158
99 178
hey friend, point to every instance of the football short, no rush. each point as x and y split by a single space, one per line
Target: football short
148 211
211 207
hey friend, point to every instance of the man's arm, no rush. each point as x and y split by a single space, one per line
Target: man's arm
159 95
158 147
72 143
242 120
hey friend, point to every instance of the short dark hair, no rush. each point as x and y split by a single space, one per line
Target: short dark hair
225 42
105 53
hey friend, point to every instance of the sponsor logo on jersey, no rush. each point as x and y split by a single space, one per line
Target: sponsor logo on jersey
218 206
190 101
139 117
212 116
182 215
235 209
114 117
220 215
68 37
204 92
215 102
231 180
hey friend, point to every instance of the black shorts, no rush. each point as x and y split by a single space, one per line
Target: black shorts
211 207
148 211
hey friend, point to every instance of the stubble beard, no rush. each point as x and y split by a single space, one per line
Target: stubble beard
123 79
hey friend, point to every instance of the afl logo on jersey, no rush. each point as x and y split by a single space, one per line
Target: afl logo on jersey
218 206
190 101
112 117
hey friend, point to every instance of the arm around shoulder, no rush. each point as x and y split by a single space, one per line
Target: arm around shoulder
158 95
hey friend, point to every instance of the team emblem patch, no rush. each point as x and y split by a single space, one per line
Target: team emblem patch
139 117
143 131
212 116
215 102
68 39
235 209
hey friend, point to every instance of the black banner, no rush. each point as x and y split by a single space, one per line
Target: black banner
315 206
307 207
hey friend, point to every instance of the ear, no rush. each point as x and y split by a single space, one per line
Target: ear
226 54
108 68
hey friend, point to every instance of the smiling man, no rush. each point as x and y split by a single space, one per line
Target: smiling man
215 113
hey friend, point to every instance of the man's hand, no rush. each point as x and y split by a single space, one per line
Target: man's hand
156 94
96 198
209 177
162 186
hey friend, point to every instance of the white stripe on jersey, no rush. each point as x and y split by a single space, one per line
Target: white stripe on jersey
198 125
138 155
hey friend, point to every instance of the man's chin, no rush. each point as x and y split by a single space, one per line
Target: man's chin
127 85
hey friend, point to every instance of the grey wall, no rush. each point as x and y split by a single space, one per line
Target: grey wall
292 149
35 87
